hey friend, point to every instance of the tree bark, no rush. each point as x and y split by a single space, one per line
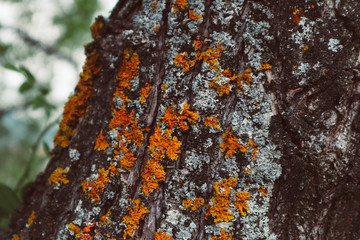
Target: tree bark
208 120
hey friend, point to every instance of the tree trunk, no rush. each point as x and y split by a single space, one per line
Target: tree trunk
208 120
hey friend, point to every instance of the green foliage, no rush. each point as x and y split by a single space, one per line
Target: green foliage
76 22
9 200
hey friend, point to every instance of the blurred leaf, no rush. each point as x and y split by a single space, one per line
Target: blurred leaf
11 67
30 78
46 149
8 201
76 22
26 86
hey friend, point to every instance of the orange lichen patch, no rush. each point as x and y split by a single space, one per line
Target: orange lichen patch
136 213
164 87
127 160
161 142
77 105
211 122
181 61
81 234
145 92
298 14
30 220
255 150
265 66
155 5
134 134
306 47
128 72
74 228
58 176
113 170
95 28
105 219
162 236
193 16
221 202
194 204
223 236
152 175
221 89
239 79
15 237
181 4
121 118
240 201
101 143
181 119
247 172
198 44
156 28
262 190
231 144
95 187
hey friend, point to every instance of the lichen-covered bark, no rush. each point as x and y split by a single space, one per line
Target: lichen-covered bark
208 120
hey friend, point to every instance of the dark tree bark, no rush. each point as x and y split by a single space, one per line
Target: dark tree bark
208 120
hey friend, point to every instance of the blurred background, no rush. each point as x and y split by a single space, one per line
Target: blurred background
41 54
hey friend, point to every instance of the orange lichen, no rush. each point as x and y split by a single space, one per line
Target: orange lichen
145 92
15 237
222 88
231 144
265 66
127 160
198 44
262 190
223 236
121 118
95 28
136 213
221 202
58 176
152 175
193 16
306 47
101 143
105 219
298 14
155 5
81 234
113 170
162 236
181 61
181 119
30 220
164 87
194 204
240 201
211 122
255 151
128 72
156 28
161 142
95 187
77 105
247 172
181 4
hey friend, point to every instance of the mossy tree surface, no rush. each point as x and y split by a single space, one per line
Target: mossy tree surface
208 120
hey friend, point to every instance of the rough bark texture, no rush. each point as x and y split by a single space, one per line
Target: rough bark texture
240 119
